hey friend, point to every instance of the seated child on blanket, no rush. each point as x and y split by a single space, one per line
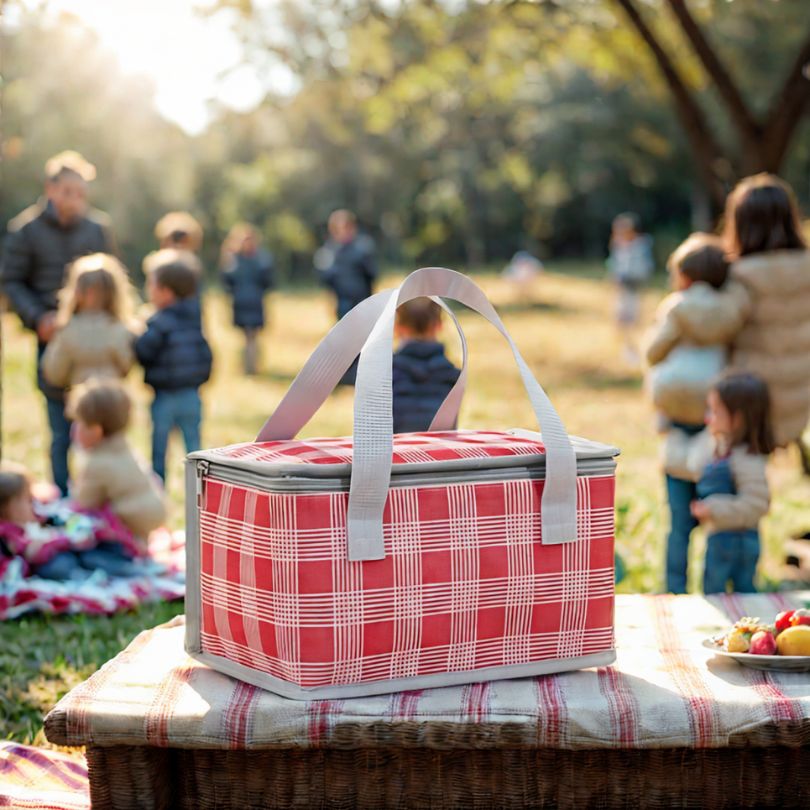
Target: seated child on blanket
112 476
35 532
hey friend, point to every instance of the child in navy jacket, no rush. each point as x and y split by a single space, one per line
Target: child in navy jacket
422 374
173 351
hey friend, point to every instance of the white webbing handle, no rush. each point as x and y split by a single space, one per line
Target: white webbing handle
332 358
373 422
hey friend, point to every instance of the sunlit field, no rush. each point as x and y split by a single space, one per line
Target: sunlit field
565 332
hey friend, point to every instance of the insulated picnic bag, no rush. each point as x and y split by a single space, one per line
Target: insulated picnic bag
328 568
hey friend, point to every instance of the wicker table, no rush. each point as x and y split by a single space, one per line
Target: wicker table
668 726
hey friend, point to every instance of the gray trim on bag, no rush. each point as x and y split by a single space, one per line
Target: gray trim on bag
294 692
193 603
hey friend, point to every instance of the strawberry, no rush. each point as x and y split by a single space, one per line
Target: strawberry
783 620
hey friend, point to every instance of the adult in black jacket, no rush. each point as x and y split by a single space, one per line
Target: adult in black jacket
41 242
347 266
174 352
422 376
346 262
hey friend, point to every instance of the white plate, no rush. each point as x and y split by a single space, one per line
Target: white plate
783 663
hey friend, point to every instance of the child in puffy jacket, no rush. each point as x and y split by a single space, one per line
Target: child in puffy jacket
686 349
174 352
422 375
93 339
247 275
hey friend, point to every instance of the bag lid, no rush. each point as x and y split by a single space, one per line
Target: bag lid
412 452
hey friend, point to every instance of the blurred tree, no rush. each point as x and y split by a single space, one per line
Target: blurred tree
459 131
64 90
763 139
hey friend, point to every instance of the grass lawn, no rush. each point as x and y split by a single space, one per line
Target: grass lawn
566 335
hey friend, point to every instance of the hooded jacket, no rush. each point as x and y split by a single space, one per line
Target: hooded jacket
688 346
775 339
422 376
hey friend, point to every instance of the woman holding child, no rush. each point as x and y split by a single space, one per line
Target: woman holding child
753 316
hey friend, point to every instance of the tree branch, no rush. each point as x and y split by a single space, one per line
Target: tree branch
787 109
747 126
704 147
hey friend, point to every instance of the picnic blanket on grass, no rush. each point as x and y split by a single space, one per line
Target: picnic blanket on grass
40 779
162 578
665 690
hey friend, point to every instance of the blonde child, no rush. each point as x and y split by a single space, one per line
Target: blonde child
93 339
179 230
732 490
112 476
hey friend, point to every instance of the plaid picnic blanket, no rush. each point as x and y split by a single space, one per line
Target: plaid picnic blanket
38 779
162 579
665 690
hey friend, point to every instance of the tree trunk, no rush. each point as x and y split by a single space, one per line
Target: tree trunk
763 144
705 150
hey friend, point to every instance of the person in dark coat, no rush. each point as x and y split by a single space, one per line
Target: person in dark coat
422 375
247 275
347 266
174 352
346 262
42 241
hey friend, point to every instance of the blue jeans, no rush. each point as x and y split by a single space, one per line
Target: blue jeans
680 494
60 442
174 409
731 556
109 557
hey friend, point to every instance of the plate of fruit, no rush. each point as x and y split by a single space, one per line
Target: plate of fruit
783 645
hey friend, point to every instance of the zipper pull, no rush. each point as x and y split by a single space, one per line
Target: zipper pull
202 471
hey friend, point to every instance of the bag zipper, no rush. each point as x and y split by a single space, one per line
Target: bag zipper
291 483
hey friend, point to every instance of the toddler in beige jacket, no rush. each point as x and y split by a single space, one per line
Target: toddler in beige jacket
112 475
93 339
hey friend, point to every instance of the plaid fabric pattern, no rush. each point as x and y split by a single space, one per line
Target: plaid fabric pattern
466 582
409 448
664 691
37 779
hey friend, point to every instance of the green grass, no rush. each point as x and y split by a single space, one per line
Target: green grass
567 338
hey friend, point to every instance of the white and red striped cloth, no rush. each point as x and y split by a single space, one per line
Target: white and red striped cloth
665 690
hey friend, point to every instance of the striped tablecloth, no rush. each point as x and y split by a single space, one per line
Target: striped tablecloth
664 691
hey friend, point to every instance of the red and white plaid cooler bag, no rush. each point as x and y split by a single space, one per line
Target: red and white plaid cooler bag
328 568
